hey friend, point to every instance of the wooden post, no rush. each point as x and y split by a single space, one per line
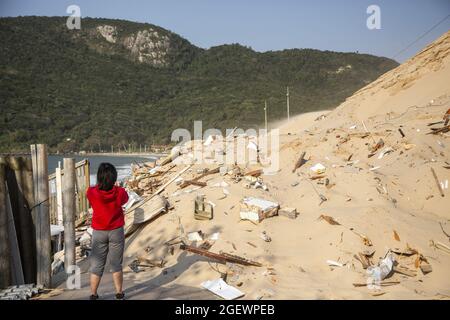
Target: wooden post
17 276
69 212
40 214
287 102
59 201
5 267
265 114
20 185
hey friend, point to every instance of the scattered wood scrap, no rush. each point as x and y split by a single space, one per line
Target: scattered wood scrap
396 236
363 237
406 252
329 219
195 183
443 129
153 263
440 246
196 179
377 146
437 182
299 162
426 268
442 228
446 117
382 284
364 259
405 271
254 173
221 257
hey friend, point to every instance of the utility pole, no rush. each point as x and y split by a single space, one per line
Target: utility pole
265 114
287 102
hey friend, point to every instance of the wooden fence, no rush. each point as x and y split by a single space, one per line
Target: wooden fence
82 171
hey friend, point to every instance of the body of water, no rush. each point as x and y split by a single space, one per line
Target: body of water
122 164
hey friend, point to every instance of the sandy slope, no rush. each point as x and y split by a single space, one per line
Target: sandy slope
413 95
410 96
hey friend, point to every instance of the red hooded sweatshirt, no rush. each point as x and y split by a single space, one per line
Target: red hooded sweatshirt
107 207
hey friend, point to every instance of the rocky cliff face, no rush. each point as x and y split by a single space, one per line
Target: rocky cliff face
108 32
145 46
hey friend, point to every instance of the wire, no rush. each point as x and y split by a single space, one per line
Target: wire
423 35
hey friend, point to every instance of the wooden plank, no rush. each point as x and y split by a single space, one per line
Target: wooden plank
20 186
160 189
299 162
69 206
17 276
40 214
59 196
404 270
254 173
223 257
87 183
5 267
207 173
195 183
437 182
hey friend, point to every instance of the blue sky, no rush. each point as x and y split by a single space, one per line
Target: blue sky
338 25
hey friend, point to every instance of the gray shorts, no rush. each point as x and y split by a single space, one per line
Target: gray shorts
107 243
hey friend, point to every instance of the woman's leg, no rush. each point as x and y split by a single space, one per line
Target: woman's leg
116 247
97 258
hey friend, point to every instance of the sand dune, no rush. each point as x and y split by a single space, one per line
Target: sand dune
395 205
400 196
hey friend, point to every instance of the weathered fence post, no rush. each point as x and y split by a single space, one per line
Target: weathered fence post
59 201
5 267
69 212
41 217
19 179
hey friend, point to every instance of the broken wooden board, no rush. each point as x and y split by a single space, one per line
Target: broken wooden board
299 162
405 271
149 211
196 179
290 213
255 209
437 182
221 257
329 219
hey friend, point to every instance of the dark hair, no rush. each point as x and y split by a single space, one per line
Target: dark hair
106 176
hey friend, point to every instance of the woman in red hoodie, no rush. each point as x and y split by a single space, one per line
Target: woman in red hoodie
108 239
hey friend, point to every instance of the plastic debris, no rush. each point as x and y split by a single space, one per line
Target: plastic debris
265 236
334 263
384 268
222 289
318 168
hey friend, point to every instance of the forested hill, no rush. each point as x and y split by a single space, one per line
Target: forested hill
117 82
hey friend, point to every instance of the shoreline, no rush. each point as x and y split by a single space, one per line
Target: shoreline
106 154
109 154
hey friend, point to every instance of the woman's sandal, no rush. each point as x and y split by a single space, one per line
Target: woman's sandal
120 296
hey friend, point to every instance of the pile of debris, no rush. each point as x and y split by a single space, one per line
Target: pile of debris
21 292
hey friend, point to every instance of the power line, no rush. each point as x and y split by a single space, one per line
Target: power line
423 35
